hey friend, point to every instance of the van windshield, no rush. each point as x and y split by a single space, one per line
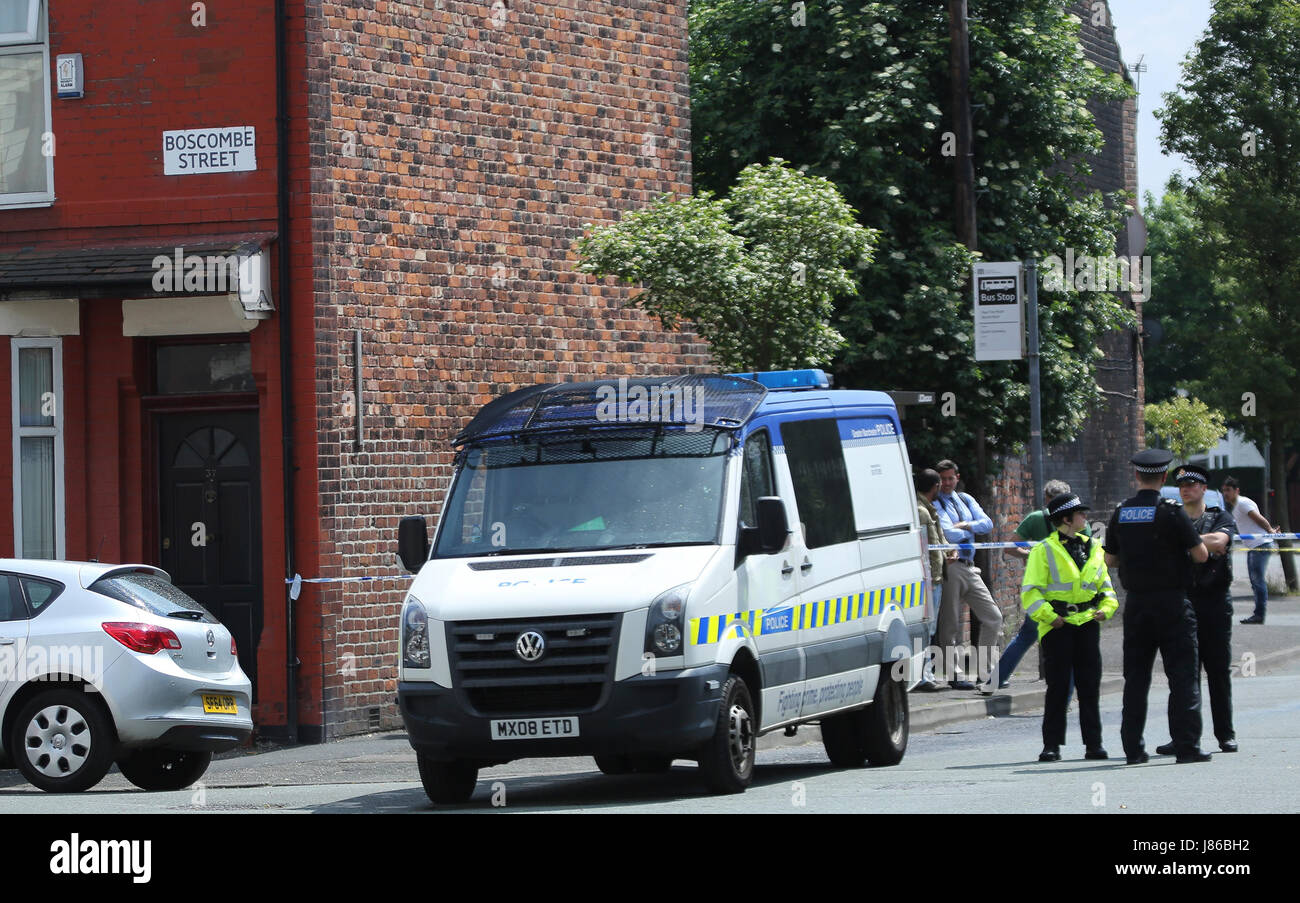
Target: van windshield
567 494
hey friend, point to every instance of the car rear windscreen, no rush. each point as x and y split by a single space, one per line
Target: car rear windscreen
152 594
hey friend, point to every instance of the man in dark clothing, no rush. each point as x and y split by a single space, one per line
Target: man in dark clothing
1208 592
1149 539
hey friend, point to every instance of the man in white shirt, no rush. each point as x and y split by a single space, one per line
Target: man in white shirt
961 519
1249 520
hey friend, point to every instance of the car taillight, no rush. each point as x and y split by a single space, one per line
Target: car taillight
233 650
146 638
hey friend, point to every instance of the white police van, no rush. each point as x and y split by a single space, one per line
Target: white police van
614 579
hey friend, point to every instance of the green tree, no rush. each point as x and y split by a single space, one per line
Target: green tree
756 272
1236 117
1187 299
857 92
1187 426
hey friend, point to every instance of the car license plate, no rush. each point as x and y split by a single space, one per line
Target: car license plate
219 705
534 728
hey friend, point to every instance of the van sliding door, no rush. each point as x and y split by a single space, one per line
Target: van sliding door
884 509
837 649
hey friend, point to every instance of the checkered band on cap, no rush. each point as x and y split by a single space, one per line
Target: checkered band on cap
1188 474
1063 503
1153 460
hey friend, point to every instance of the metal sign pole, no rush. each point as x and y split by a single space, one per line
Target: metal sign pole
1035 397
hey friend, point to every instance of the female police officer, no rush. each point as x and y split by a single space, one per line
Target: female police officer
1067 591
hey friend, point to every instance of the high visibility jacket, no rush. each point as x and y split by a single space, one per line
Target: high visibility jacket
1052 576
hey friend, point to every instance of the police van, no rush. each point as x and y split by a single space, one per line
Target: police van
666 568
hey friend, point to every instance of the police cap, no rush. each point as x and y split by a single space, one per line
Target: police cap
1065 504
1191 473
1152 460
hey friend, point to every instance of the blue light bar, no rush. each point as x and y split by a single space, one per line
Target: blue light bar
789 379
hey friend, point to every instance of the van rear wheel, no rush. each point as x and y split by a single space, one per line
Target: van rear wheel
447 782
885 721
727 758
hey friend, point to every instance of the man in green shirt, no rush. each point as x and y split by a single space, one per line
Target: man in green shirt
1034 528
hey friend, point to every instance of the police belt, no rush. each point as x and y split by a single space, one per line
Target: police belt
1069 608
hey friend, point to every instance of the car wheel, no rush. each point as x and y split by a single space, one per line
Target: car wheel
727 758
843 736
62 741
447 782
886 721
164 769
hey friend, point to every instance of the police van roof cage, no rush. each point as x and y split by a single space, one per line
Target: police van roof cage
786 380
720 402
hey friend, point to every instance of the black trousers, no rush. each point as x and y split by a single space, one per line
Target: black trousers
1161 622
1076 649
1214 642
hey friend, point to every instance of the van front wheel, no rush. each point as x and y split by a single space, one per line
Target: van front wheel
446 782
727 758
886 721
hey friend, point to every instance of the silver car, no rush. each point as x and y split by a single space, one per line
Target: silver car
103 663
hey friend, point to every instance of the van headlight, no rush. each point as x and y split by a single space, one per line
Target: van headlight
665 623
415 634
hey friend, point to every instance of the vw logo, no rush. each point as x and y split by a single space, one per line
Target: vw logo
212 638
530 646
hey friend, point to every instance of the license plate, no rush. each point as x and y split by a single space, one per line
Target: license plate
534 728
219 705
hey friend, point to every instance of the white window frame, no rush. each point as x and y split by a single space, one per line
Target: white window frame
34 198
21 432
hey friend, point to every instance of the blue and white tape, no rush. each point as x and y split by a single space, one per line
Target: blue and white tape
973 546
295 584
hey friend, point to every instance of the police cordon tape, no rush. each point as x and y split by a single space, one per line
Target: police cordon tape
973 546
295 583
298 580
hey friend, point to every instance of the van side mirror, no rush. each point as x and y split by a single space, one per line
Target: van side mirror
413 543
773 527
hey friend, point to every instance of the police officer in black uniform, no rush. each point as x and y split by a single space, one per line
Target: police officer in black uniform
1208 592
1150 538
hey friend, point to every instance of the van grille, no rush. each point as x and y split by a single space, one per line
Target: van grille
569 678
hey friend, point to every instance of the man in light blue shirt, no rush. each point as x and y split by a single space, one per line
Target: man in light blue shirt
962 519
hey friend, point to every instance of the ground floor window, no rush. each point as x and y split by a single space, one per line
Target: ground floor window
37 380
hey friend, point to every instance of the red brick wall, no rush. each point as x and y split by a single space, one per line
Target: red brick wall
454 162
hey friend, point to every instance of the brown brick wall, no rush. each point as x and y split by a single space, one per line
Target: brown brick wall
455 159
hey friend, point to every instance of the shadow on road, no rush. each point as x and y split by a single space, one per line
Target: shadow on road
587 790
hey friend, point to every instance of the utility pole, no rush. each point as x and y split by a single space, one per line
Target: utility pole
964 170
964 193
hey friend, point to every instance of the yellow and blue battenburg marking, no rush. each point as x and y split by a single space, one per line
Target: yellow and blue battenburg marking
808 615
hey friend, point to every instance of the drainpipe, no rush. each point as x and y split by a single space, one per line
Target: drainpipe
286 347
